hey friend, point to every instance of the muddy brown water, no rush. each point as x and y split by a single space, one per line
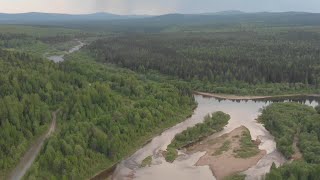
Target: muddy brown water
242 112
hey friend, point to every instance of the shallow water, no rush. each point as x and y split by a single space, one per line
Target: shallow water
60 58
56 59
243 113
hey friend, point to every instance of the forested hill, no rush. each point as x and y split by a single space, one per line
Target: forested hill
44 18
285 18
142 23
102 108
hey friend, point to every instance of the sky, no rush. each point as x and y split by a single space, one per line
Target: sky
155 7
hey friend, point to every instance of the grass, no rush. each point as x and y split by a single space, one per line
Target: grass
225 147
171 155
36 31
146 162
247 147
235 177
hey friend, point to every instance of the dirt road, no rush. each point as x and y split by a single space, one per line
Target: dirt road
29 157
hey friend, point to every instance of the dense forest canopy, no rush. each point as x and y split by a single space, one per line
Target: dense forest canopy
41 41
290 122
101 109
286 57
25 95
164 23
102 106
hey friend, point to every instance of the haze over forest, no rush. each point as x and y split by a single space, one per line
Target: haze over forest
156 7
159 89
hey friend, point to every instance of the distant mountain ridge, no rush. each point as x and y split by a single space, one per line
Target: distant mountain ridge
40 17
175 19
229 12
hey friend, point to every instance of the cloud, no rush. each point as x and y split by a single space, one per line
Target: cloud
59 6
156 6
137 6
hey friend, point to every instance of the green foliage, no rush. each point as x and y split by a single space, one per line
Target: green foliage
199 131
146 162
296 170
106 107
40 41
24 112
318 109
209 126
230 61
102 108
285 121
225 147
235 177
247 147
37 31
171 154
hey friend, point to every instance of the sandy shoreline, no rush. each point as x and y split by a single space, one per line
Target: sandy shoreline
257 131
236 97
225 163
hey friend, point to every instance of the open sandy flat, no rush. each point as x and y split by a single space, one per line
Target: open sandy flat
225 163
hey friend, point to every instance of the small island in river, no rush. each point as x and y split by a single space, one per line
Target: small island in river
226 155
229 154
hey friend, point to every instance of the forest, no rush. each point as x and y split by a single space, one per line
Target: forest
101 108
210 125
294 123
138 83
248 61
40 41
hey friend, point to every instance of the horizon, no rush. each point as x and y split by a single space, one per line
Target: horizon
155 7
201 13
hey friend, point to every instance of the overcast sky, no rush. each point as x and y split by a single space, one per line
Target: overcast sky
154 7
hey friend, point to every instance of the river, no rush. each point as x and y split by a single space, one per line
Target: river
60 58
241 112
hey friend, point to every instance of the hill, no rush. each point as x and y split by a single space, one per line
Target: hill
37 17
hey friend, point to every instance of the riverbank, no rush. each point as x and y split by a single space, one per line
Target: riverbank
243 113
107 173
236 97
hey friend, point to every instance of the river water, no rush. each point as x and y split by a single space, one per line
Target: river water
60 58
243 113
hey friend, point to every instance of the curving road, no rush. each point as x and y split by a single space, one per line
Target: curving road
29 157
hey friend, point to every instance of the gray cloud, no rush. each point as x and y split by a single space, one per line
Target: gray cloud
198 6
137 6
249 5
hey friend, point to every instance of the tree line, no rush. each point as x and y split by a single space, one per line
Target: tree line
210 125
290 122
288 59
